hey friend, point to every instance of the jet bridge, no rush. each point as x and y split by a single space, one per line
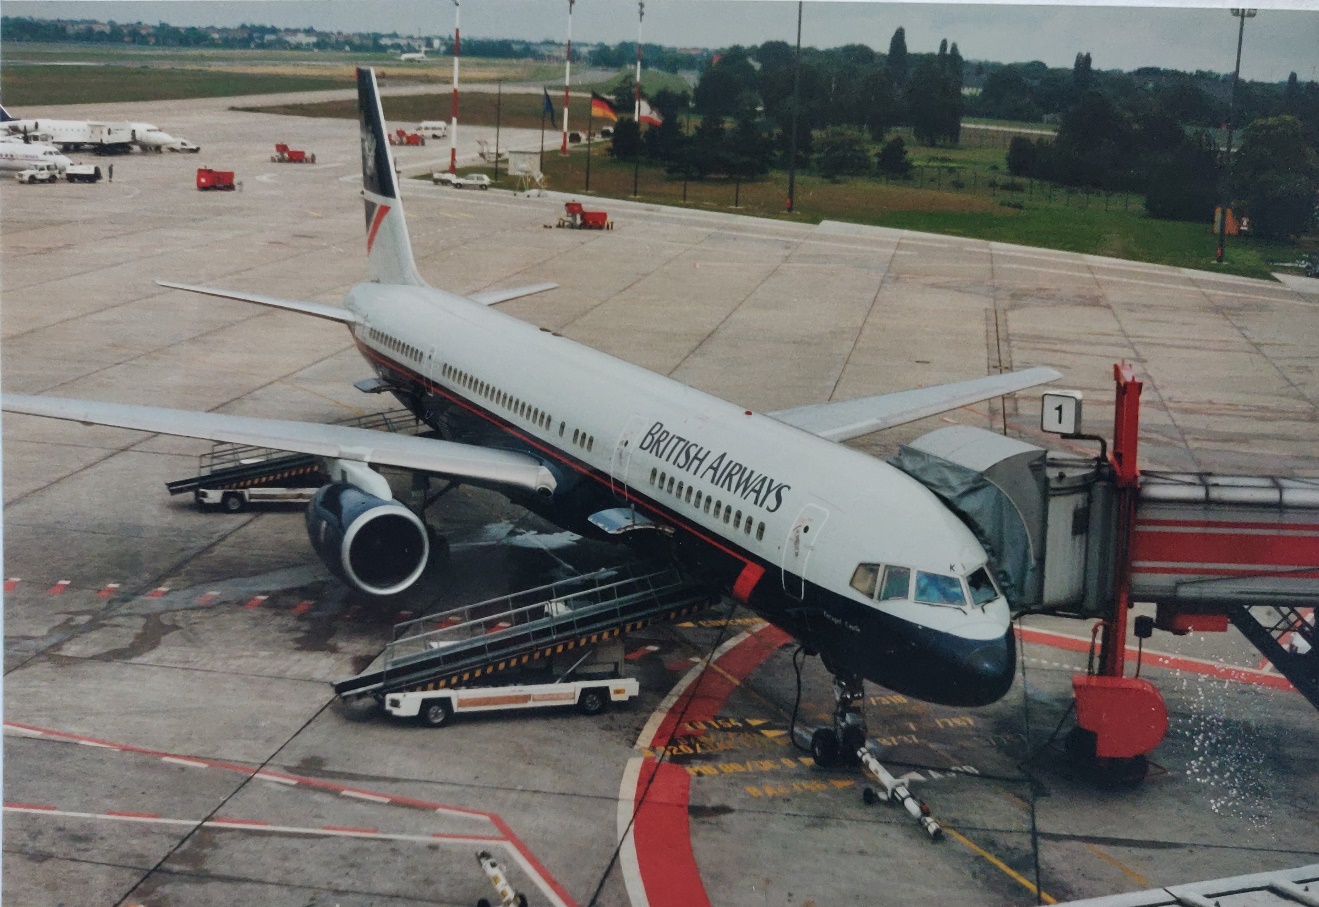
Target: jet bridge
1085 538
472 644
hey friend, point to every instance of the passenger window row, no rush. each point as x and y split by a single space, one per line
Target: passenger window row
702 502
398 346
511 404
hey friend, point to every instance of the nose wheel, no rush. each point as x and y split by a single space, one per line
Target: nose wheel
845 743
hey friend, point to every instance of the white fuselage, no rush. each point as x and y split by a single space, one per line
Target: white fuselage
76 134
805 511
20 155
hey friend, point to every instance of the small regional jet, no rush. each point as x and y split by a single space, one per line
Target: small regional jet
853 557
17 154
416 57
73 135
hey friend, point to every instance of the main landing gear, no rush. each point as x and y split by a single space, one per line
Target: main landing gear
846 744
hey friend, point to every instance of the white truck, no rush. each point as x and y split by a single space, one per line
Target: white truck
591 683
82 173
471 181
433 129
38 173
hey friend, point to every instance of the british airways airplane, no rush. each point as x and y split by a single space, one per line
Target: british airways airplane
854 558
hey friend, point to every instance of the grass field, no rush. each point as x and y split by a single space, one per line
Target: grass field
91 74
1039 222
652 81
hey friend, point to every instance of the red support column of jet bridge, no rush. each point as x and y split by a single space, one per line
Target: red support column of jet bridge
1120 719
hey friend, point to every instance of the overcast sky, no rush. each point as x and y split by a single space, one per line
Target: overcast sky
1278 41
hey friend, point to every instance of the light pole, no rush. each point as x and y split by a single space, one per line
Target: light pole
1225 194
453 122
567 78
796 98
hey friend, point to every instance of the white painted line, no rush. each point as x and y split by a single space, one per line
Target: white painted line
359 795
26 732
190 763
77 815
278 779
657 717
627 854
104 746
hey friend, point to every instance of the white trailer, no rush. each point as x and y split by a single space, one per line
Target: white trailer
591 684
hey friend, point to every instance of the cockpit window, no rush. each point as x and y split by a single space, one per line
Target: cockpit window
897 583
983 590
863 580
938 589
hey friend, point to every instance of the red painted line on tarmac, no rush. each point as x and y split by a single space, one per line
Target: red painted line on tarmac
12 584
108 590
664 838
1161 660
132 815
58 588
254 602
661 831
302 607
500 825
703 699
349 828
158 592
516 843
640 653
40 806
445 836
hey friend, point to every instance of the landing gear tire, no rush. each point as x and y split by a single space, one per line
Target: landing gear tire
868 796
853 738
232 502
593 701
824 747
435 712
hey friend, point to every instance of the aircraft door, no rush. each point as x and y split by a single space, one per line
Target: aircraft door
802 538
623 451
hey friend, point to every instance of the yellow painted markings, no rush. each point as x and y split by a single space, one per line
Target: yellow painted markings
1126 871
799 787
1042 896
715 769
719 624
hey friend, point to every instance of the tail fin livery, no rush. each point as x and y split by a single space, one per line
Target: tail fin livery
388 248
5 116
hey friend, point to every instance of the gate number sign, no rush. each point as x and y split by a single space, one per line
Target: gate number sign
1062 413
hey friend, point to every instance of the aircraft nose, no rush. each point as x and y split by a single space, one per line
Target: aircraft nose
988 669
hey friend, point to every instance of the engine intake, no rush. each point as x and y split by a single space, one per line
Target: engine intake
374 545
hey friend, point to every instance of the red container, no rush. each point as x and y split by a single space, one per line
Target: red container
214 179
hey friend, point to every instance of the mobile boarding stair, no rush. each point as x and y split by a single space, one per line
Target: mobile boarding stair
466 645
230 467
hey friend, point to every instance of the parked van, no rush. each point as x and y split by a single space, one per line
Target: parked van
433 129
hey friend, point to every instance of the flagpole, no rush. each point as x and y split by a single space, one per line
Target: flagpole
641 15
590 118
567 78
499 107
453 123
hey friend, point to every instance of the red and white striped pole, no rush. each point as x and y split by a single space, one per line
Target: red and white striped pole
567 78
641 15
453 121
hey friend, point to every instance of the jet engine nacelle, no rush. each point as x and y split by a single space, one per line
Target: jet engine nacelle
373 544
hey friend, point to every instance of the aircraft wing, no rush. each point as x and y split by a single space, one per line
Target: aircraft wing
491 297
319 309
463 461
853 418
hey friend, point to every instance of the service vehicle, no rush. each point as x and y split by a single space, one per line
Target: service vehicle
286 155
82 173
576 217
433 129
38 173
403 137
470 181
591 681
185 146
215 179
237 500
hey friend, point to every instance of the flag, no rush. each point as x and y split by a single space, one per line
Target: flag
648 114
549 105
602 109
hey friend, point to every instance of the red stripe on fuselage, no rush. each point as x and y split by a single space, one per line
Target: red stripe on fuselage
381 211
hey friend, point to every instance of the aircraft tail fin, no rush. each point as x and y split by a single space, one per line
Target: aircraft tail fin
5 116
388 247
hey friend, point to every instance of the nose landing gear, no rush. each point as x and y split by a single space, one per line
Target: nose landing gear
846 744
